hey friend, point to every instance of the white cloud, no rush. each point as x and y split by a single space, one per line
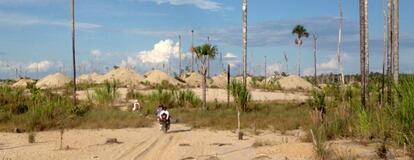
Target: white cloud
230 56
331 66
162 52
138 31
272 68
232 59
40 66
96 53
16 19
202 4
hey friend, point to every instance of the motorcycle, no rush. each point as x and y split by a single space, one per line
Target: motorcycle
164 120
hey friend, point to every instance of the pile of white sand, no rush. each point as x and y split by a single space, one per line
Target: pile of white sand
249 81
124 76
156 77
194 79
88 78
273 78
56 80
294 82
22 83
219 81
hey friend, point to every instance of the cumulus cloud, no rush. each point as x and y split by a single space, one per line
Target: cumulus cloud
162 52
40 66
330 66
232 59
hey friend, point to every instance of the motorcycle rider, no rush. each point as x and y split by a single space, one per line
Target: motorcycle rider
163 110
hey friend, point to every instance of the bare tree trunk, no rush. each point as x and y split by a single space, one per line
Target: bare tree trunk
299 58
238 122
204 70
179 52
363 6
73 50
287 63
390 52
314 58
265 71
395 40
244 9
192 52
384 58
339 56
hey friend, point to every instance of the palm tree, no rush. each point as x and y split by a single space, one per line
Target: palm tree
339 56
241 96
203 53
300 33
363 11
73 50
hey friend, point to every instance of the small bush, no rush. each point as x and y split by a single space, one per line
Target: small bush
20 109
31 137
108 93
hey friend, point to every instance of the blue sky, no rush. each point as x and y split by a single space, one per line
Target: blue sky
35 34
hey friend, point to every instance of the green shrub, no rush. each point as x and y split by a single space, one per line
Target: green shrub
108 93
187 98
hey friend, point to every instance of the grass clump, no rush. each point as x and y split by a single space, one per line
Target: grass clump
277 117
107 94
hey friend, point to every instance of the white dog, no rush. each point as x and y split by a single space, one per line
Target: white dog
136 107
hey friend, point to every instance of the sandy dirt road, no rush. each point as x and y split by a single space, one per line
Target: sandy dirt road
181 143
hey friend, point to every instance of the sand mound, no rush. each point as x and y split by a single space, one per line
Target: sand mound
124 76
194 79
294 82
56 80
156 77
273 78
22 83
219 81
248 79
88 78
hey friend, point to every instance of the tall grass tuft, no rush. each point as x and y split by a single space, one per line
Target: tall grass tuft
175 98
107 94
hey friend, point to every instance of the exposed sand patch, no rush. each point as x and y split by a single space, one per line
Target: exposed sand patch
221 95
56 80
149 143
156 77
294 82
194 79
89 78
219 81
22 83
126 77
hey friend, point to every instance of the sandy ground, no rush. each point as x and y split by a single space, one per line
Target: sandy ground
221 95
181 143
